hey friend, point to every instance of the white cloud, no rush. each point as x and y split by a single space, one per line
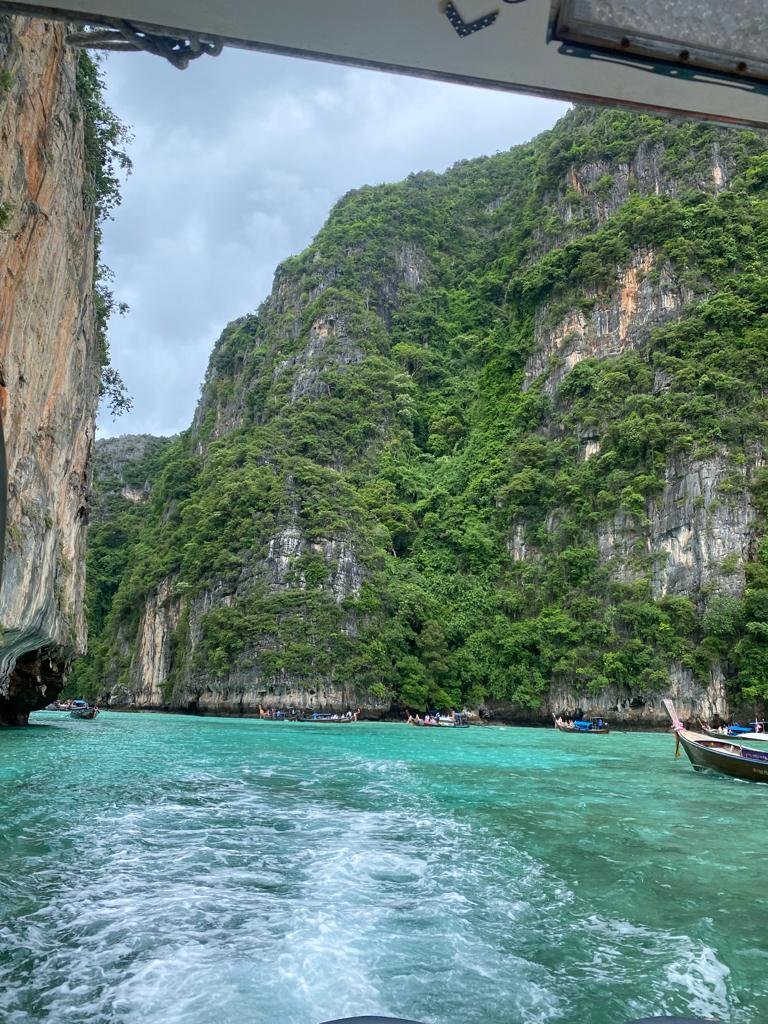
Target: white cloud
237 163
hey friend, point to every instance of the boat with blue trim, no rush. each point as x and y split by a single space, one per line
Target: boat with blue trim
584 725
752 733
82 709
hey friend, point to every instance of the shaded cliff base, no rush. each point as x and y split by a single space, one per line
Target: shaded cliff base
623 710
37 679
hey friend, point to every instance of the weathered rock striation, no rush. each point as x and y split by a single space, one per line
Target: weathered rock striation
49 362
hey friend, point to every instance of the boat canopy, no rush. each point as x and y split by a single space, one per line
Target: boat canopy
676 57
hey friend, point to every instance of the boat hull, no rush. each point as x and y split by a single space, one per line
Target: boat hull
586 732
321 721
725 757
83 713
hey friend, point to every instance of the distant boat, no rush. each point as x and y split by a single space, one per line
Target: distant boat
318 719
591 725
738 732
82 709
454 721
718 755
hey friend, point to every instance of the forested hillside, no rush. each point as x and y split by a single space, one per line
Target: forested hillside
495 439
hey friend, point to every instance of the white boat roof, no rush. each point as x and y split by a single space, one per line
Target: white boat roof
496 43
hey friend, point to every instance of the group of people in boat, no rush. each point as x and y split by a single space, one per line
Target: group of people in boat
291 714
568 723
418 720
735 728
348 716
432 718
276 714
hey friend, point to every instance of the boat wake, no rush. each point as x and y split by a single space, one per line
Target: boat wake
292 884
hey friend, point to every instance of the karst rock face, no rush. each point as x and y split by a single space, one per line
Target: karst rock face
495 439
49 362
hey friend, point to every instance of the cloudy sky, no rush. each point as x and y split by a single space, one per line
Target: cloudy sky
236 163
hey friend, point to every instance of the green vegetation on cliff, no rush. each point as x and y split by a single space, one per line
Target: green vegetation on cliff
441 464
105 138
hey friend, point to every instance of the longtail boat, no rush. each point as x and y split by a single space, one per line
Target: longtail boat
433 720
454 721
584 725
320 719
718 755
82 709
737 732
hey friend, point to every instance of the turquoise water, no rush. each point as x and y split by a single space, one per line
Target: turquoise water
170 870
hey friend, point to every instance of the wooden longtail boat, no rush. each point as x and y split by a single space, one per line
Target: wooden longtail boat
311 718
454 721
82 709
585 725
751 737
719 755
325 720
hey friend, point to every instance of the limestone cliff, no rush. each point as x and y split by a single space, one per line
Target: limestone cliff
496 439
49 362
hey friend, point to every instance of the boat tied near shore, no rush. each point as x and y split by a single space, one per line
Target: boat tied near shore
308 717
435 720
317 718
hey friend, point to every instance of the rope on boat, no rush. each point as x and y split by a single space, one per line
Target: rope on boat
116 34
